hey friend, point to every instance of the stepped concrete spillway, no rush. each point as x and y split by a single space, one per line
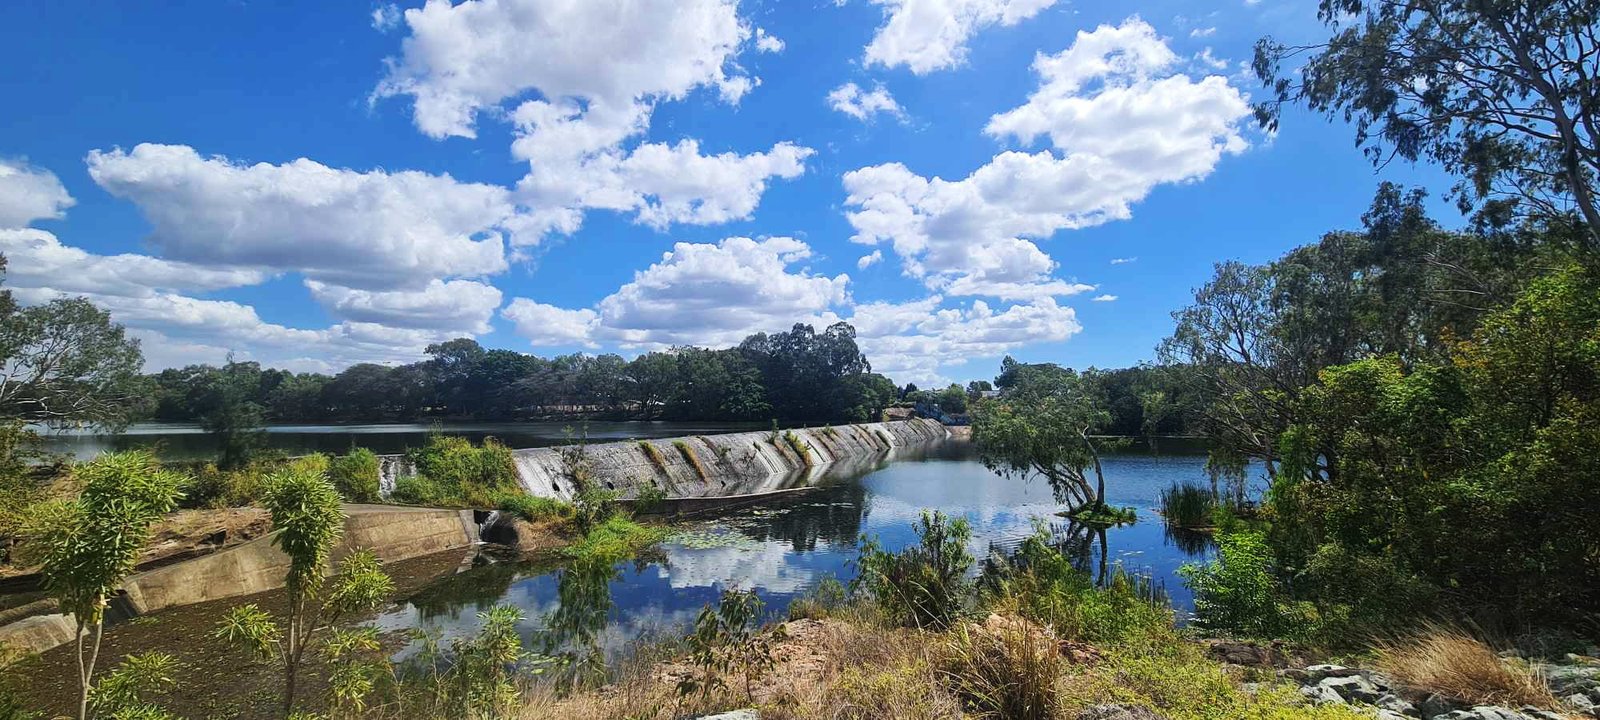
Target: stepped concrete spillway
706 466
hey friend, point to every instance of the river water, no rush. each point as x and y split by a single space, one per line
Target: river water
782 549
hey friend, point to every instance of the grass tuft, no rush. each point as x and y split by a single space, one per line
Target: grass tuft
654 453
1454 663
1188 505
693 459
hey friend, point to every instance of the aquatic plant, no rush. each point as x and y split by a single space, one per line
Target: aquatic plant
1188 505
534 508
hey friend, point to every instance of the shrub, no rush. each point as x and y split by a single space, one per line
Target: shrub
1006 667
1187 505
727 638
650 498
465 474
1238 593
1454 663
418 490
1041 583
532 507
356 475
924 585
615 539
824 599
593 507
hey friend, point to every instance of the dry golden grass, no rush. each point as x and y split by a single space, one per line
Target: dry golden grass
1007 667
1453 662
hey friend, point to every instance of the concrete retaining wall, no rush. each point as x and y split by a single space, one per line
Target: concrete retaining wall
392 533
706 466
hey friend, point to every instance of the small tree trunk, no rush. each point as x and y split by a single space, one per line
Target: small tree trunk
83 675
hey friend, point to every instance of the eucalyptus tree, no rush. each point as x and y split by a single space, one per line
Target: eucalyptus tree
87 546
307 523
1045 425
1502 93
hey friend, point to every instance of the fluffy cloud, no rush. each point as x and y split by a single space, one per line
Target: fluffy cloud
767 43
860 104
463 58
661 184
375 230
28 194
870 259
1105 298
547 325
911 342
1121 118
456 306
929 35
716 294
599 69
36 259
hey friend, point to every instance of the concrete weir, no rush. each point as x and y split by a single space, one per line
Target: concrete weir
707 467
392 533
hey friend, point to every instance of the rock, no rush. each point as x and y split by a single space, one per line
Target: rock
1316 673
1119 712
1581 703
746 714
1079 653
1541 714
1395 704
1435 706
1391 715
1508 654
1352 688
1567 679
1484 712
1320 695
1245 653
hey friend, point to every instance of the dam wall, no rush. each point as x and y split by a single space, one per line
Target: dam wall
725 465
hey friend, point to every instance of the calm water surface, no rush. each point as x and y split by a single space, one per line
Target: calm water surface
781 550
184 441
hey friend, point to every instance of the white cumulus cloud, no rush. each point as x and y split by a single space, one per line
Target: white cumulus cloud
861 104
28 194
1121 117
376 229
929 35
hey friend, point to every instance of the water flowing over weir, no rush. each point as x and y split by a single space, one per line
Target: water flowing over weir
707 466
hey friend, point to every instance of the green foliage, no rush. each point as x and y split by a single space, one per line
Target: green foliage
307 522
923 585
67 364
534 508
1008 671
20 487
452 471
650 498
822 600
728 638
1043 426
1188 505
591 508
1237 592
1040 582
615 539
357 663
125 691
356 475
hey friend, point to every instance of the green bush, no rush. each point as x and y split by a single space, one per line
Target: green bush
533 508
615 539
924 585
356 474
1238 592
1041 583
824 599
418 490
464 474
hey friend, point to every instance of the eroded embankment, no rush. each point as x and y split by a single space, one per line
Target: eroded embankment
706 466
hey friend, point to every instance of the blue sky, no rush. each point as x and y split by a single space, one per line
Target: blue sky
314 184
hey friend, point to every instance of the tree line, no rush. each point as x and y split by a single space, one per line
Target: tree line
800 375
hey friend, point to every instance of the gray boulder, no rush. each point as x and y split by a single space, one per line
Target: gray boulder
1316 673
1484 712
1352 688
1395 704
1320 695
735 715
